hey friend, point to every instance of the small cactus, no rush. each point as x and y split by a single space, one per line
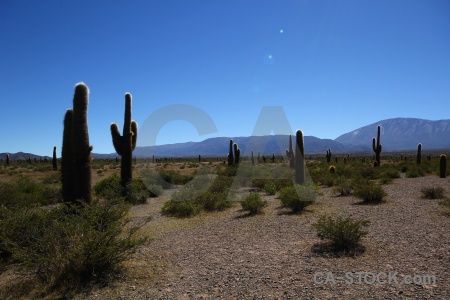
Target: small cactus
443 166
328 155
290 154
126 143
419 154
332 169
299 158
253 159
54 160
7 159
377 148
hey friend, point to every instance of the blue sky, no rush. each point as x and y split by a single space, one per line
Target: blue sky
333 66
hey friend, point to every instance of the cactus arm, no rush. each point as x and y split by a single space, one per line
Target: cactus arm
134 130
117 139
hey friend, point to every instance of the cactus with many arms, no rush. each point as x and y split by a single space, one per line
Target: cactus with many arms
377 148
126 143
419 154
299 158
76 151
443 166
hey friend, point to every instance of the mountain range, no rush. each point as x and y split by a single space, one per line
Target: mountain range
396 134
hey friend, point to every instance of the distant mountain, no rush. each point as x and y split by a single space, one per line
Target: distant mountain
396 134
401 134
268 145
21 156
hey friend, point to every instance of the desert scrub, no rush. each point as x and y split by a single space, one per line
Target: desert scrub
270 188
432 193
196 196
25 191
181 206
343 187
70 245
414 171
343 233
253 203
369 192
136 192
297 197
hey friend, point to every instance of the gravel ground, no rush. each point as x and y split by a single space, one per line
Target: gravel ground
277 255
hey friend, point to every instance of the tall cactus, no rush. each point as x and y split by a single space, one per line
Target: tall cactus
377 148
230 154
237 154
290 154
7 159
419 154
328 156
126 143
443 166
253 159
299 158
54 160
76 151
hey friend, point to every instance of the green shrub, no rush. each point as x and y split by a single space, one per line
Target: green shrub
253 203
343 233
343 187
414 172
386 180
279 183
180 208
433 193
109 188
136 191
270 188
196 196
297 197
369 192
69 245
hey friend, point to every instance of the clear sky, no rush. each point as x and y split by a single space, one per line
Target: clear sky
332 65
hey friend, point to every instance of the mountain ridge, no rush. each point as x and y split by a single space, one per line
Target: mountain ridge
397 134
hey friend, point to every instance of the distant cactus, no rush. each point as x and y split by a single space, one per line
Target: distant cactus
299 158
377 148
290 154
237 154
126 143
273 158
199 159
76 151
230 154
443 166
253 159
419 154
328 155
7 159
54 160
